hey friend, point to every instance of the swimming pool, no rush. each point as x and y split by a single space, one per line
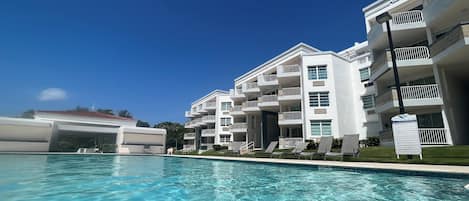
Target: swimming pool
95 177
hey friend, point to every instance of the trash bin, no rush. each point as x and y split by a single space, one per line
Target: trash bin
406 135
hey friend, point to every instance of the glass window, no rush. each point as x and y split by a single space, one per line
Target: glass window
368 101
225 105
226 121
321 127
433 120
364 74
317 72
318 99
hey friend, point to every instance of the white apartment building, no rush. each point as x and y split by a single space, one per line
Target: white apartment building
303 94
210 120
431 39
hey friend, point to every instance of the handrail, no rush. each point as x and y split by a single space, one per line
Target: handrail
289 91
407 17
268 98
246 148
292 115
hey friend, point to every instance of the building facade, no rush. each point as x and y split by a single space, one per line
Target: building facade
431 39
304 93
209 120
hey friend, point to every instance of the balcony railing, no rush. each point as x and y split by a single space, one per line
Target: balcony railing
418 53
236 92
188 124
407 17
189 135
293 115
208 131
433 136
269 98
251 85
288 69
237 108
290 91
208 118
210 104
270 79
457 33
423 94
238 127
248 104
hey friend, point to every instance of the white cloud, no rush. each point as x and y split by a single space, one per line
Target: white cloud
52 94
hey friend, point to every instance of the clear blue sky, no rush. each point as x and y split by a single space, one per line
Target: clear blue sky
153 57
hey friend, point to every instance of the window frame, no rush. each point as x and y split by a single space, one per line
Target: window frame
321 124
316 74
317 96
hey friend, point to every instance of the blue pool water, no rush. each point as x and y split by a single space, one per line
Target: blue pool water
85 177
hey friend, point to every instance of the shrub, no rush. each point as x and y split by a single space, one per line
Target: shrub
312 145
337 143
217 147
372 141
109 148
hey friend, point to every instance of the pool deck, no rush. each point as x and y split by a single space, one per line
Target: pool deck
446 169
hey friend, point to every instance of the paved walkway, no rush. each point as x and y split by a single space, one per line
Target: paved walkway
366 165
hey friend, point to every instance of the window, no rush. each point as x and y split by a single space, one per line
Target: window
364 74
317 72
321 127
368 101
225 105
225 138
292 132
318 99
226 121
433 120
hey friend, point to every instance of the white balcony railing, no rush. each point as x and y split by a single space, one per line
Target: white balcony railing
236 92
412 53
239 127
269 78
210 104
269 98
251 85
290 91
237 108
420 91
291 68
293 115
189 135
208 132
208 118
407 17
248 104
433 136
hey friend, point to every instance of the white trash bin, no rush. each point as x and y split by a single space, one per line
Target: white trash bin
406 135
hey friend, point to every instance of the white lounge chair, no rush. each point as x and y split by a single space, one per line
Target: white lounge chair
296 151
349 147
325 144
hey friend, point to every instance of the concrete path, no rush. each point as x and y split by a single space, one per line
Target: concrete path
448 169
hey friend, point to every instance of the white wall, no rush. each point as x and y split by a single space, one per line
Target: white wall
219 113
20 135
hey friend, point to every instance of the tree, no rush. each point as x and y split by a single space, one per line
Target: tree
28 114
174 133
124 113
142 124
105 111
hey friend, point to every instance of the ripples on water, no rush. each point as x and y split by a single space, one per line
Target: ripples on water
85 177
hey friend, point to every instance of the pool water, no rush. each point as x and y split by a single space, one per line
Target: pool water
95 177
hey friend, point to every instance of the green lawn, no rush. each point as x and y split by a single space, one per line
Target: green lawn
453 155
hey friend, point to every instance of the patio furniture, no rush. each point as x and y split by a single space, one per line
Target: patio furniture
296 151
349 147
325 144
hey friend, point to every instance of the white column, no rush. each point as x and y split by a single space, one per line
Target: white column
446 125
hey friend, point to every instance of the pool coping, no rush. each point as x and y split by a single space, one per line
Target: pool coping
445 169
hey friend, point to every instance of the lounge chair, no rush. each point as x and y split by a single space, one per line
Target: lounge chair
349 147
269 150
296 151
325 144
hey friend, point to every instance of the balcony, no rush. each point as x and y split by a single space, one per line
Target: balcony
452 48
440 13
196 122
289 94
251 106
188 124
407 57
267 80
189 136
288 71
290 118
239 128
237 94
188 114
412 96
407 27
251 87
208 119
237 110
268 101
210 105
208 132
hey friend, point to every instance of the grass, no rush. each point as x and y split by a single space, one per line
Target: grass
451 155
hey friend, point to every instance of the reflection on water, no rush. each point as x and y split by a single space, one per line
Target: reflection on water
96 177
